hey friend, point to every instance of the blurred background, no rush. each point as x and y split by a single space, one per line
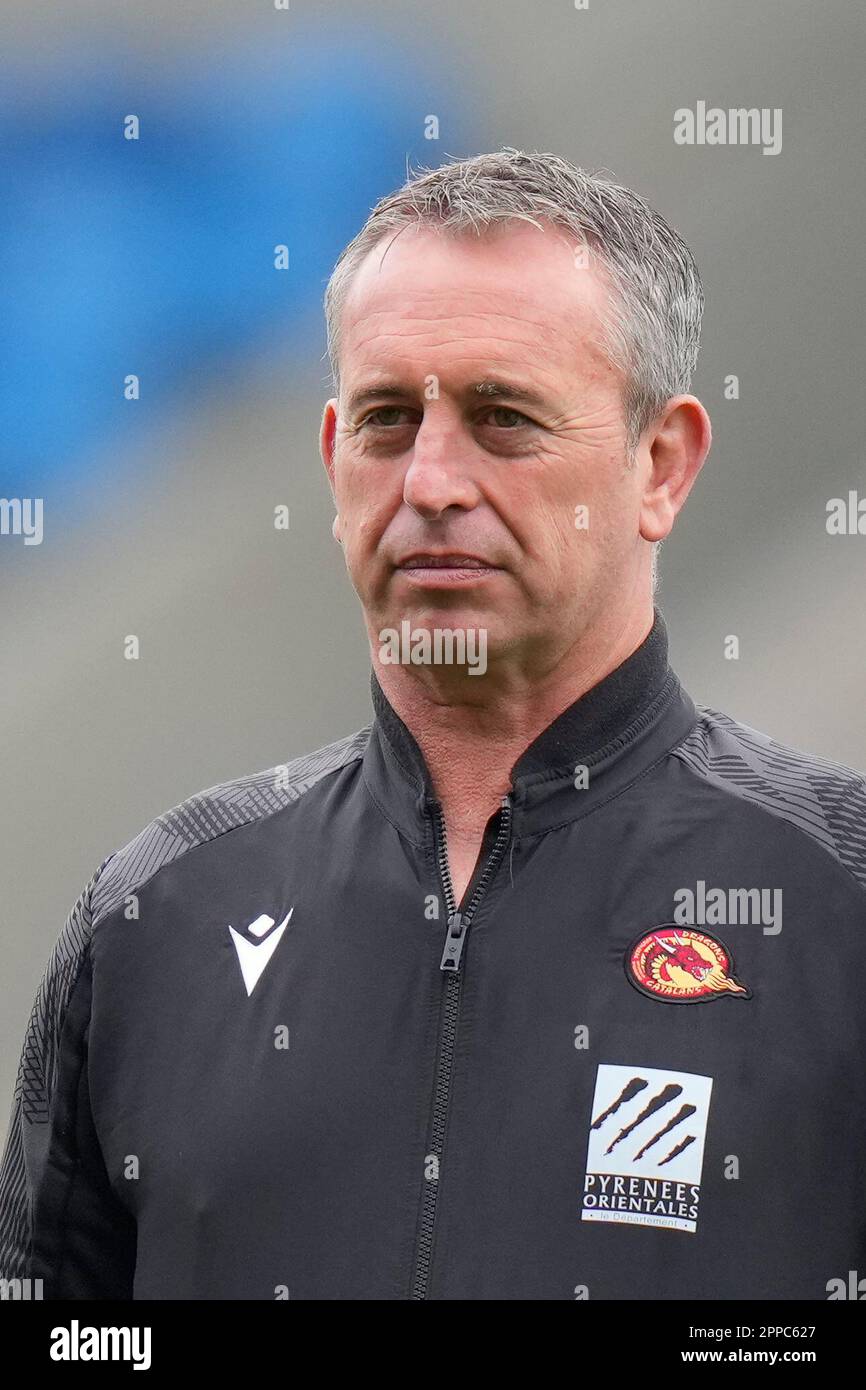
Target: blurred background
155 257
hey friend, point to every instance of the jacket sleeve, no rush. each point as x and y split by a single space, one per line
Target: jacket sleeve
59 1218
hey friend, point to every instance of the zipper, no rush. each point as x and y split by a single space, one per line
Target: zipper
459 923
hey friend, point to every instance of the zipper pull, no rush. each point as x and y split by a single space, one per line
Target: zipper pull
454 941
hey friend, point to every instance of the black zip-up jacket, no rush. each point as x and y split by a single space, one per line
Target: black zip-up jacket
269 1058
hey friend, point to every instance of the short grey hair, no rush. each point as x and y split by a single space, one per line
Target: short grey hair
656 299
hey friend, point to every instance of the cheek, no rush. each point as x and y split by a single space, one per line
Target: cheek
347 478
366 544
586 523
556 511
366 504
609 491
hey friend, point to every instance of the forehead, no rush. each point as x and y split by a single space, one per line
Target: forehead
512 293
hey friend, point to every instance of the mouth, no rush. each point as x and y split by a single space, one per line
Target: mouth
450 561
451 569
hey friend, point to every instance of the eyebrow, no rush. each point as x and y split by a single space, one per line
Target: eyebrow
489 389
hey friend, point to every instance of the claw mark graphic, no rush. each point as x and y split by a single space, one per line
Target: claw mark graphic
634 1088
668 1094
689 1139
682 1114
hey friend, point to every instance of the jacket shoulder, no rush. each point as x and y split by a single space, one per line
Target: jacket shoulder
210 813
26 1147
825 799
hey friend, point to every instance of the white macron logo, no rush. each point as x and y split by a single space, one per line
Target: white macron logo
253 956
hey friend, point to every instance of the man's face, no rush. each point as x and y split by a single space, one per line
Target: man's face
429 465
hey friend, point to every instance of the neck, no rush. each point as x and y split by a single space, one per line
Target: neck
472 730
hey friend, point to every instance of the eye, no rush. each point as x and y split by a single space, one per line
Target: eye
517 418
384 410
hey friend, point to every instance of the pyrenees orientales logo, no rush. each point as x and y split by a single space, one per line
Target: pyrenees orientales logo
646 1147
682 966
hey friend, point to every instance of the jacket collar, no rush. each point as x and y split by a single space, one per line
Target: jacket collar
616 730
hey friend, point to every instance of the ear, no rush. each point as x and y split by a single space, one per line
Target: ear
673 453
327 436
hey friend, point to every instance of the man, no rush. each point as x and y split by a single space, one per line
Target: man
547 984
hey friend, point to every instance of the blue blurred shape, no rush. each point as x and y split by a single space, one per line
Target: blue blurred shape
155 256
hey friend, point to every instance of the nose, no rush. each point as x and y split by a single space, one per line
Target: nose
438 476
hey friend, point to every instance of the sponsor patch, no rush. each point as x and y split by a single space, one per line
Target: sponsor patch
646 1147
682 966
